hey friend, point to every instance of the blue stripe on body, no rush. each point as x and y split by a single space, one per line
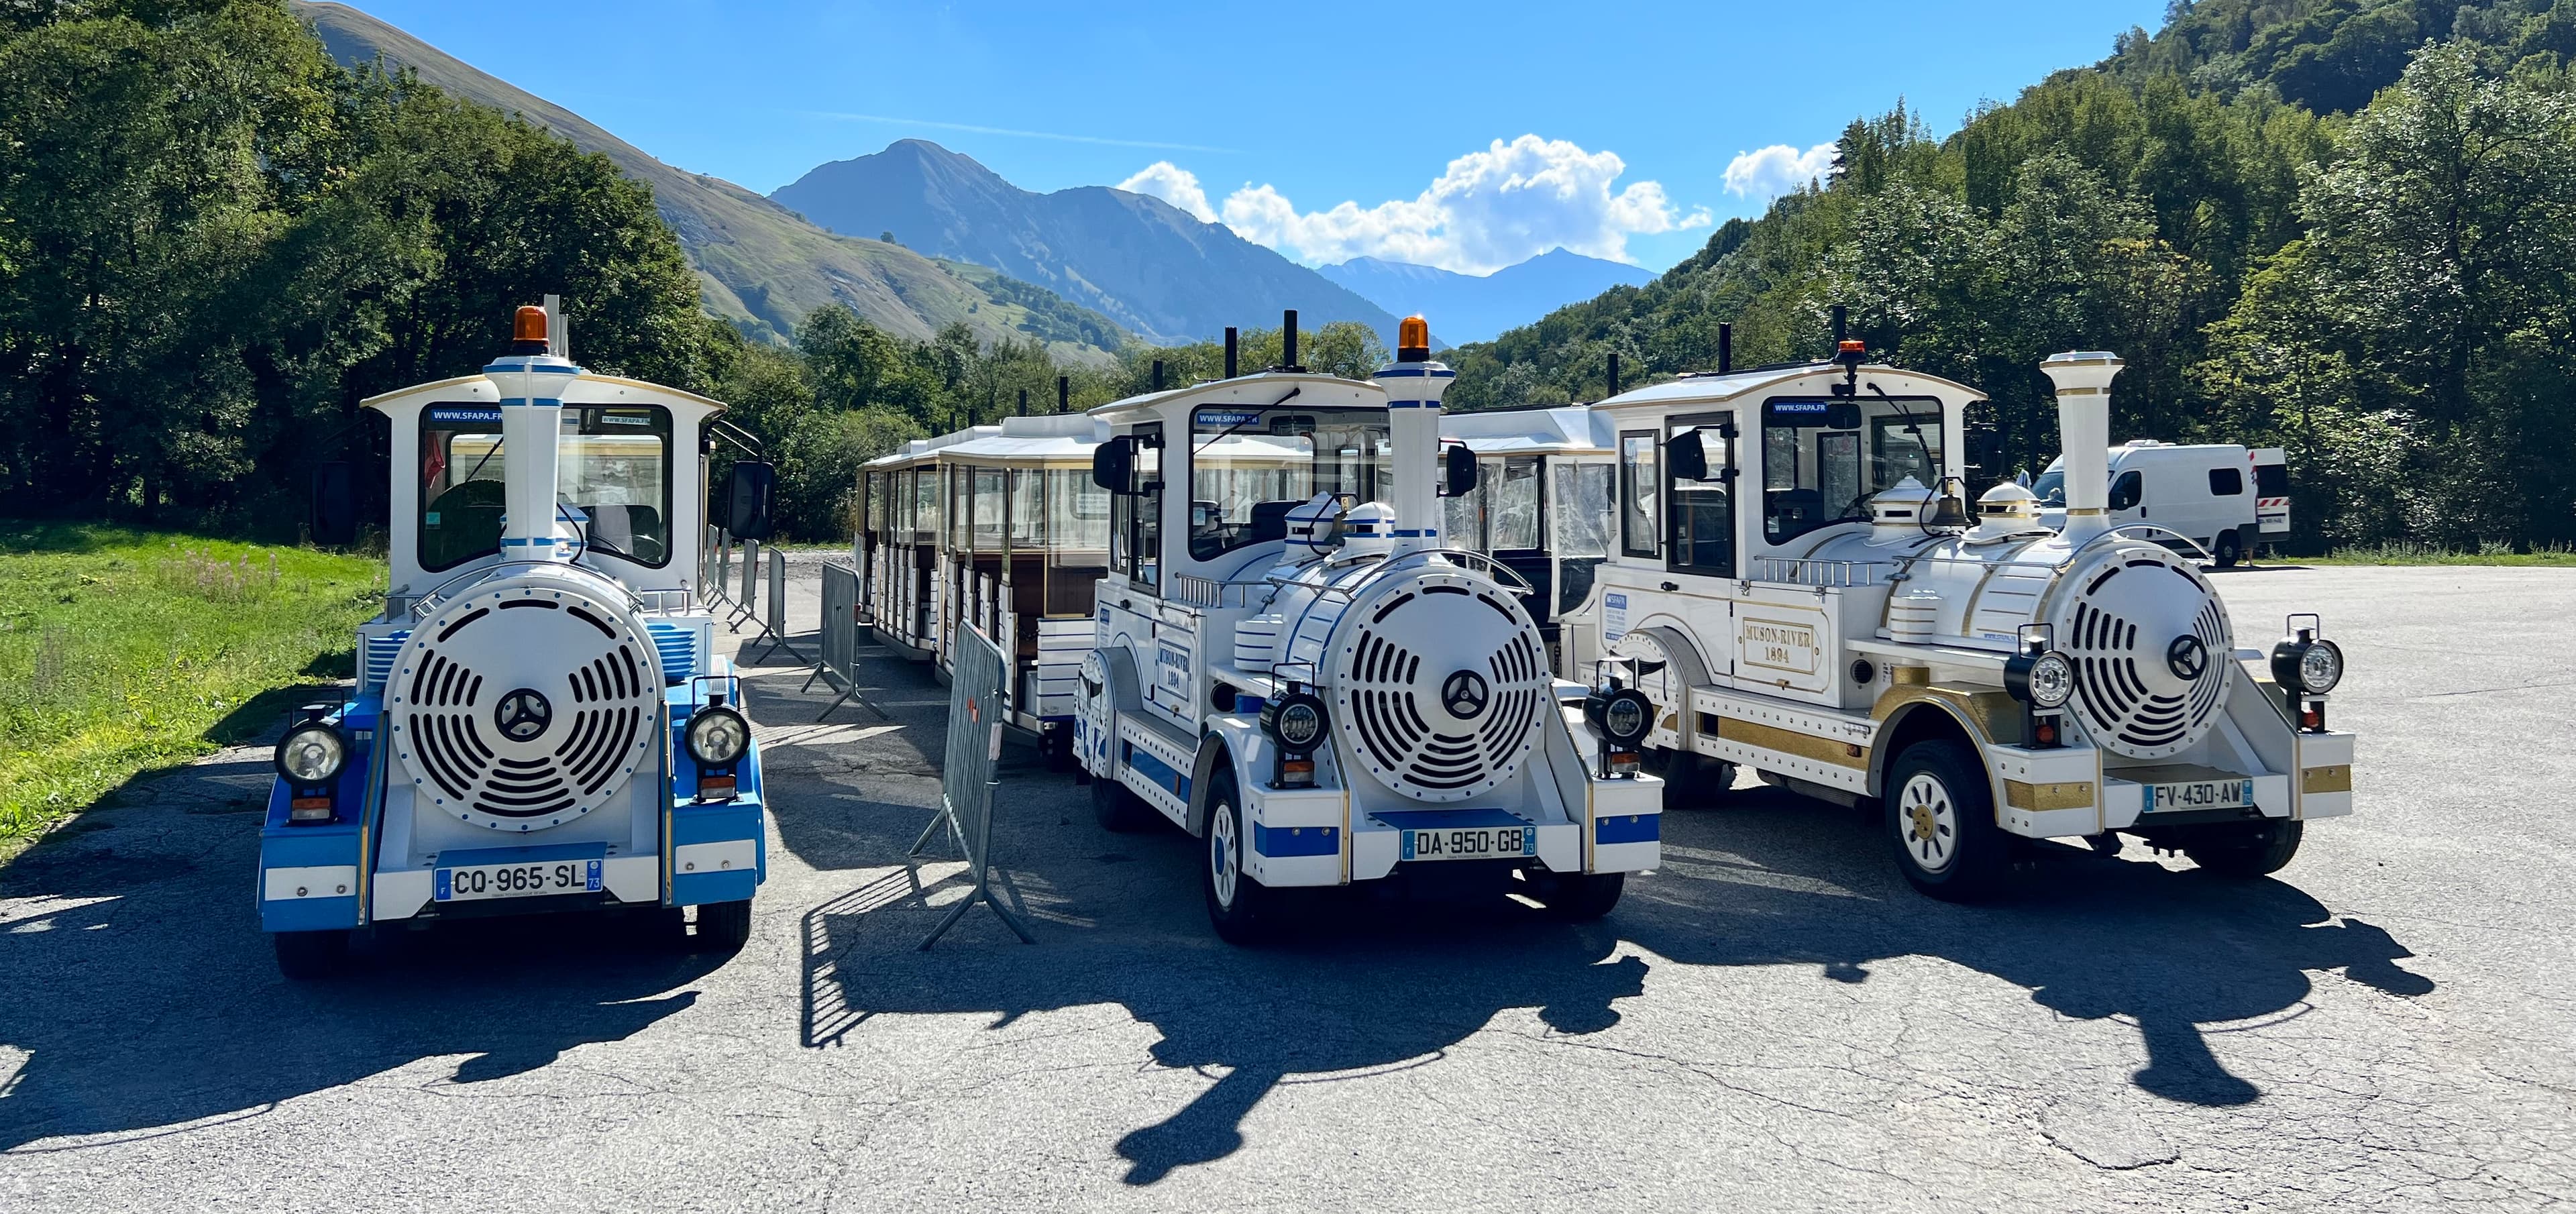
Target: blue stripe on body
1284 841
1628 828
1160 772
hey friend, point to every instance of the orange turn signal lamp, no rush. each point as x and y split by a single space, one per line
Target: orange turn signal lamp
529 325
1413 340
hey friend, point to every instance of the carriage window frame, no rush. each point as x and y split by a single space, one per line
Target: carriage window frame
1720 485
1637 514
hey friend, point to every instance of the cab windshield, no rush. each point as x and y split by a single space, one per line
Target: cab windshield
614 477
1249 466
1823 459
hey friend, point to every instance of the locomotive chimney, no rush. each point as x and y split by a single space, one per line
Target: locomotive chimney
2083 382
1414 385
530 381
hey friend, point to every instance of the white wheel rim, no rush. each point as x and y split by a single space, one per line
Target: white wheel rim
1222 865
1927 823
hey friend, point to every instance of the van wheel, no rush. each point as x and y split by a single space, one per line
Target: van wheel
1577 897
2228 551
307 956
1244 911
1941 823
2244 853
1118 809
723 927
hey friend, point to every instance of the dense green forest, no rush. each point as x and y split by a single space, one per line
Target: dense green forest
2345 227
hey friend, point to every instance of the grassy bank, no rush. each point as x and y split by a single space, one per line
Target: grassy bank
122 650
2404 553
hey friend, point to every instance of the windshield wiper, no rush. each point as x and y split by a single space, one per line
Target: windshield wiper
1256 416
1912 427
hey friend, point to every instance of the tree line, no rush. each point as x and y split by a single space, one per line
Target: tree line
2344 228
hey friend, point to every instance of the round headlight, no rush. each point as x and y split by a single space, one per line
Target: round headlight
2052 680
2320 667
1626 716
311 754
718 735
1295 722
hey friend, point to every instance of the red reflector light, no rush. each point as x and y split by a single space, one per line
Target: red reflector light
715 788
2045 732
2313 718
1296 773
308 809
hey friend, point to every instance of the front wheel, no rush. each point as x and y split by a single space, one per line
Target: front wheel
1243 910
1578 897
723 927
1941 823
2228 551
2244 853
306 956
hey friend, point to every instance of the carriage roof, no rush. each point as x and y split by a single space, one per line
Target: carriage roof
1259 388
1563 430
1707 388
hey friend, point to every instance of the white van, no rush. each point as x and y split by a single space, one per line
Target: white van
2208 493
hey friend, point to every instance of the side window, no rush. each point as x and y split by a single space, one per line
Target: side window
1512 510
2127 491
1136 519
461 493
2226 482
1703 511
1640 490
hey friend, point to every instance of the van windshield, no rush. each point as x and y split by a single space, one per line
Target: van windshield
2050 488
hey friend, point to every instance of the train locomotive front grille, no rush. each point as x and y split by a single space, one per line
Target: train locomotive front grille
524 710
1426 718
2145 687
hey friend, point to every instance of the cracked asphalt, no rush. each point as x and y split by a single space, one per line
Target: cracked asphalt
1771 1021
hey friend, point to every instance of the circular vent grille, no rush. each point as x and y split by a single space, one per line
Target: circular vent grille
1439 684
2151 649
525 707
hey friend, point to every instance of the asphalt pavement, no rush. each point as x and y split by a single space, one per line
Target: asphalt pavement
1773 1020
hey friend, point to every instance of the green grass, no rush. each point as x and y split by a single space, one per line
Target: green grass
124 650
2406 552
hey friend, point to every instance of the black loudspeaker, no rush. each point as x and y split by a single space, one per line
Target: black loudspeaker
747 500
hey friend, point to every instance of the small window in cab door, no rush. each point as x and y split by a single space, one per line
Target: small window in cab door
1640 488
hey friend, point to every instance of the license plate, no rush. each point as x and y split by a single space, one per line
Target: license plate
531 879
2200 794
1470 843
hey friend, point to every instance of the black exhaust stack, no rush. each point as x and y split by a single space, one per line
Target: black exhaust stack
1064 394
1158 375
1614 374
1725 348
1842 327
1230 347
1288 341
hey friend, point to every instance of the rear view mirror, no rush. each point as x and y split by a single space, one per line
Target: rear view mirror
747 500
1458 471
1842 415
334 516
1687 457
1113 464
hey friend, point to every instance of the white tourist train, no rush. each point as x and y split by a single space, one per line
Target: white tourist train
1799 585
1289 664
999 527
540 721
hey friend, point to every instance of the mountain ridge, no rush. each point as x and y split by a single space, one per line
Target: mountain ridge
1122 254
759 265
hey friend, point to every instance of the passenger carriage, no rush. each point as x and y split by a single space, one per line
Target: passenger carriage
1290 664
898 547
1799 586
540 721
1541 505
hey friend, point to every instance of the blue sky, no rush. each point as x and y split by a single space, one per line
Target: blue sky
1466 135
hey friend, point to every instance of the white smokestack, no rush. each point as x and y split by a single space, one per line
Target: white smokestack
531 383
2083 382
1414 386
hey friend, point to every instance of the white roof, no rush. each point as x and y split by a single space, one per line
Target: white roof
1567 428
1061 436
1706 387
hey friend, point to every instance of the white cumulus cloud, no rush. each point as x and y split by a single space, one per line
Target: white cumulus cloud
1173 184
1778 169
1489 209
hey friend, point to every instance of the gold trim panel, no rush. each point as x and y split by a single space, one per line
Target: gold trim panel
1791 742
2065 794
2337 778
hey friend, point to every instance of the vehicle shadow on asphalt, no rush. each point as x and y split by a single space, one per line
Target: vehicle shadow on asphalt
138 996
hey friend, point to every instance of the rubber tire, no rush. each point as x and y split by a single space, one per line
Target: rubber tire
1981 855
2228 551
1578 897
723 927
2245 854
311 956
1691 781
1119 810
1055 749
1252 918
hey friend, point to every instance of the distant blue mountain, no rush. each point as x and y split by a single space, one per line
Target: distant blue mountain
1464 308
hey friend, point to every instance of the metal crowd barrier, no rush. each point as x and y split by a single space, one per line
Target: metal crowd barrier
724 568
970 770
773 630
839 640
747 603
